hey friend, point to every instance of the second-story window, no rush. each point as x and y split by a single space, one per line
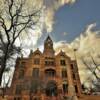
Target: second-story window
21 74
35 72
62 62
64 73
37 61
49 63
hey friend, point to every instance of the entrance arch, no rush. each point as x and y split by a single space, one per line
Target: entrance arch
51 88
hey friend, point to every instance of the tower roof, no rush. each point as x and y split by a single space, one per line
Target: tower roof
48 46
48 38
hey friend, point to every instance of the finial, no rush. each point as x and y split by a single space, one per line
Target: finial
48 38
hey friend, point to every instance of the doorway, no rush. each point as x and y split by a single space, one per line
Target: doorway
51 88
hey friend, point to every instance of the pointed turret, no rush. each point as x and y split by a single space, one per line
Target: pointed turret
48 46
48 39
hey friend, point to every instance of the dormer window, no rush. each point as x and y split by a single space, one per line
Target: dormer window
37 61
62 62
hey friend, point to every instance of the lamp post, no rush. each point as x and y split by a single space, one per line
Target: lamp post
74 50
78 78
74 97
75 54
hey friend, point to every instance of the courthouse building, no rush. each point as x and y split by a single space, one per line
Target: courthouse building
44 75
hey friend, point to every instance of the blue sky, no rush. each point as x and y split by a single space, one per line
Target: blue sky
73 19
70 20
81 17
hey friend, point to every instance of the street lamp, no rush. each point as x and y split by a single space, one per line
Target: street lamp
75 53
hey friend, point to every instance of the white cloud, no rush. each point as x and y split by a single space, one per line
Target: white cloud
87 43
51 6
62 45
48 9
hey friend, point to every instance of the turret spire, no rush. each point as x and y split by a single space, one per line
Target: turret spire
48 46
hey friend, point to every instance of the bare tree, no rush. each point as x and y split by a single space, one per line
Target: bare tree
94 67
15 20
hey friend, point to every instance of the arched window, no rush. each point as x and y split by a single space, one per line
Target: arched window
50 73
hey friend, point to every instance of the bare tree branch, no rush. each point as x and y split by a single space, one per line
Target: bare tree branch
96 65
92 70
13 21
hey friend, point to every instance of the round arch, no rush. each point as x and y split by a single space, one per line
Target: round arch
51 88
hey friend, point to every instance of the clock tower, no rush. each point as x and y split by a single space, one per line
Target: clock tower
48 47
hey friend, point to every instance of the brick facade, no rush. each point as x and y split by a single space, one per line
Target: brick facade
43 76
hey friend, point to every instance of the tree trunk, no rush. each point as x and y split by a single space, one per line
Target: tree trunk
3 62
3 66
